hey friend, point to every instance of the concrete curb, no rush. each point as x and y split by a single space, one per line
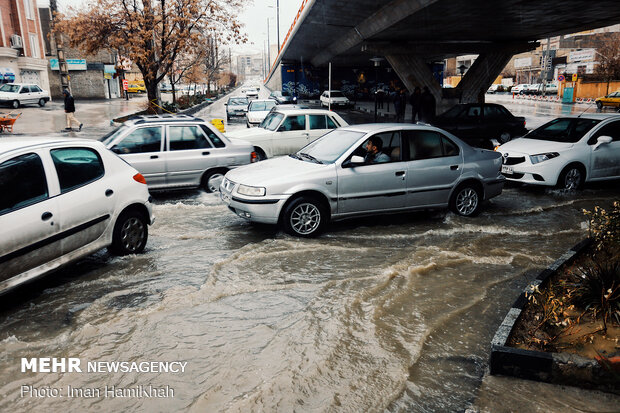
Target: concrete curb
379 114
556 368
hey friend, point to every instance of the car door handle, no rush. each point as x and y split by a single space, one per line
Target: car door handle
400 173
206 153
154 156
46 216
109 193
454 167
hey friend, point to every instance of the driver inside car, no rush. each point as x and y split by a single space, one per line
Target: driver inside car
373 151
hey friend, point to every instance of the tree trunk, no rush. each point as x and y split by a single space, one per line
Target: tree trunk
174 93
151 92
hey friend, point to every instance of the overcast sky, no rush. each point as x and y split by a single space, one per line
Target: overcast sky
254 17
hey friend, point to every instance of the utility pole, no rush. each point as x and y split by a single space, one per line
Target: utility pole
63 69
268 49
278 22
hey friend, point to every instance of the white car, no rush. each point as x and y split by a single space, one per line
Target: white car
17 94
566 152
287 130
257 110
63 199
521 88
334 98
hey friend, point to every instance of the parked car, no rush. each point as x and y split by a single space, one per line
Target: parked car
17 94
136 87
329 179
480 124
520 88
63 199
178 151
286 131
494 88
283 97
257 110
566 152
334 98
236 106
613 99
538 88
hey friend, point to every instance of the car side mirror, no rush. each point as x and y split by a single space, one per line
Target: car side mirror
602 140
355 160
116 150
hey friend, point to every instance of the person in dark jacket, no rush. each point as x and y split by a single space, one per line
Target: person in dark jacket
415 100
427 106
70 110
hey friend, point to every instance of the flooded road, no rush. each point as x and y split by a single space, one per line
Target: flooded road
394 313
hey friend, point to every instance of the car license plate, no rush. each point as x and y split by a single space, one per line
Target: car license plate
225 198
508 169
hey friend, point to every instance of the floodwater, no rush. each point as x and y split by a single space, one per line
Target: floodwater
394 313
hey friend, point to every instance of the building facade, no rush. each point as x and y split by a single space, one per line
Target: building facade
22 49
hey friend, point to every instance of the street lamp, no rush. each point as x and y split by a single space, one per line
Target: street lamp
377 63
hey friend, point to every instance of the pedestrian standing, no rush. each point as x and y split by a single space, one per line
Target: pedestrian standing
414 100
427 106
403 105
70 110
380 96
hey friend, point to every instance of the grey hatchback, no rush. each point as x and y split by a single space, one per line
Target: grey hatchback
178 151
332 178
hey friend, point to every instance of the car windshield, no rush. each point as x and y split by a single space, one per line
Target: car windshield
453 112
9 88
271 121
106 139
285 94
332 145
336 94
238 101
261 106
569 130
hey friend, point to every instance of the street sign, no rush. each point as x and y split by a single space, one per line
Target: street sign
560 78
574 77
125 84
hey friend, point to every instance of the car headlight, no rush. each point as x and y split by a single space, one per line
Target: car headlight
541 157
251 190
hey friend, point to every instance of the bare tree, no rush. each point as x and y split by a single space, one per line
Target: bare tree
152 33
608 52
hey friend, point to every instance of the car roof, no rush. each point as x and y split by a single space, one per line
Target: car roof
143 119
284 110
379 127
262 100
599 116
9 144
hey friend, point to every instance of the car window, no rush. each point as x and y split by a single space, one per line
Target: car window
423 144
186 137
238 101
22 182
473 112
336 94
492 112
76 167
568 130
271 121
35 88
261 106
332 145
141 140
449 147
294 122
454 112
332 123
215 140
317 121
611 129
25 89
9 88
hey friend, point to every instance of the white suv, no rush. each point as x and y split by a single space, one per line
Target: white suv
17 94
62 200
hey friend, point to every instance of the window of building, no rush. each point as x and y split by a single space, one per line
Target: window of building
28 6
34 45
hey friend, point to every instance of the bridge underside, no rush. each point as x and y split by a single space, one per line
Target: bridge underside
411 33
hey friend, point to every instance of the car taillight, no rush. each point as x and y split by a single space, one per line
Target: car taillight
139 178
253 157
524 122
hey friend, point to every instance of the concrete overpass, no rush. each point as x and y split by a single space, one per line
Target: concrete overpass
411 33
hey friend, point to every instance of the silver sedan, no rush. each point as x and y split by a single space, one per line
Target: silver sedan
364 170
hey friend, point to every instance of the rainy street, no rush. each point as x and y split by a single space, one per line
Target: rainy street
391 313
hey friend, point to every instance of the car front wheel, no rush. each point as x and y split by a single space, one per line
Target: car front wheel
211 181
466 200
571 178
130 233
304 217
41 102
599 104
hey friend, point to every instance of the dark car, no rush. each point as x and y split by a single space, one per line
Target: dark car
479 124
282 97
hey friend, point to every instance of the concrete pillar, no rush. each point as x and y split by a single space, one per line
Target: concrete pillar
414 71
482 74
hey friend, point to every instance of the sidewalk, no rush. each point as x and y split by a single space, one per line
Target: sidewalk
96 115
385 114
